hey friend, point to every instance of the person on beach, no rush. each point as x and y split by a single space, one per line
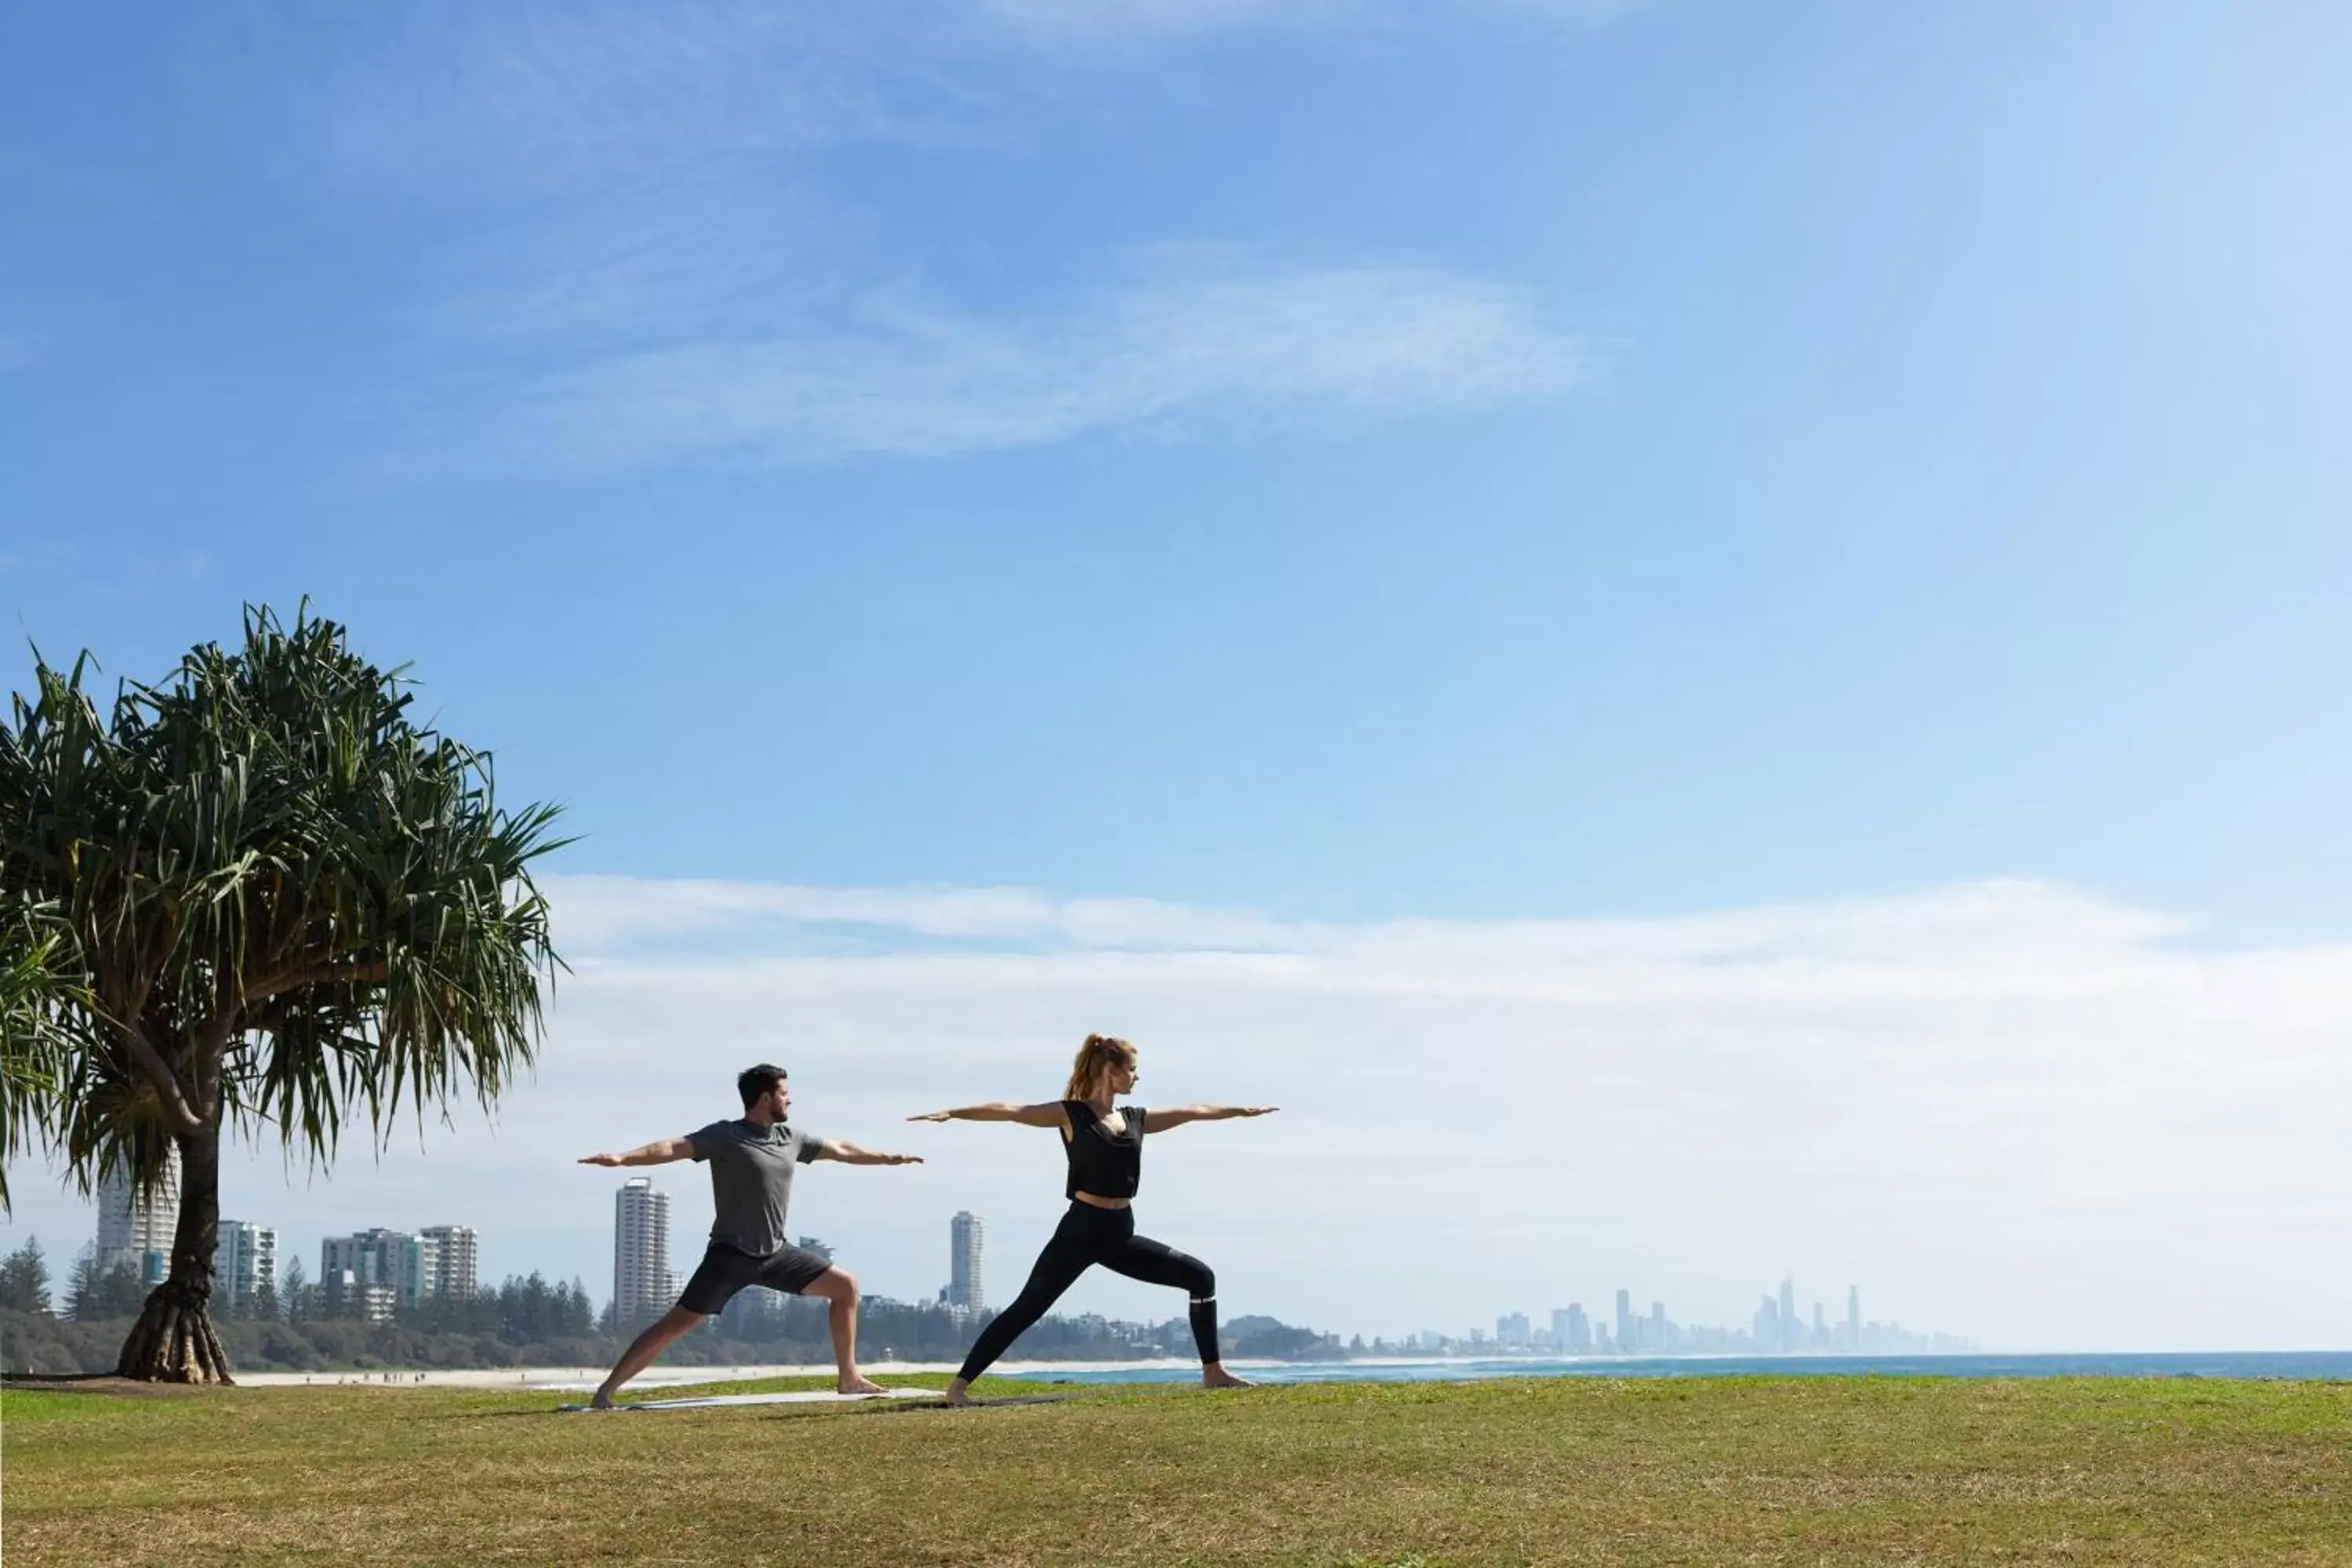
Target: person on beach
751 1164
1104 1142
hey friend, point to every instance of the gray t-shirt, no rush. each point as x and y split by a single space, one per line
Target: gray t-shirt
752 1180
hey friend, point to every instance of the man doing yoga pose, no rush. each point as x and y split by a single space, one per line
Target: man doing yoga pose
1104 1142
751 1164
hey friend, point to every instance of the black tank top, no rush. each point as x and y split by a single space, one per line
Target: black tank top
1105 1164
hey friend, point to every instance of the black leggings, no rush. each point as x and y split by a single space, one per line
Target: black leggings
1085 1236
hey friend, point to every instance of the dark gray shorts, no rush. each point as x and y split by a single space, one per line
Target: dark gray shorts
725 1271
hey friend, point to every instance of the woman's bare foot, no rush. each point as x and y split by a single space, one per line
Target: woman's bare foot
959 1393
1214 1376
858 1382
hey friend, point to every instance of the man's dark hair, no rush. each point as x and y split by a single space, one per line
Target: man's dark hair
753 1082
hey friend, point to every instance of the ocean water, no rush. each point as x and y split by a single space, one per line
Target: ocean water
2326 1364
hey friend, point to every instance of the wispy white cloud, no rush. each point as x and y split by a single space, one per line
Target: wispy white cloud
2010 1108
1063 21
696 261
1975 923
537 94
671 280
578 97
1197 343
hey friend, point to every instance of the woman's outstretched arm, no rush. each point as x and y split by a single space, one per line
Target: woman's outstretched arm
1158 1120
1047 1115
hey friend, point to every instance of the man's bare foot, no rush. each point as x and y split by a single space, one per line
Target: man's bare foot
858 1382
603 1400
960 1392
1215 1376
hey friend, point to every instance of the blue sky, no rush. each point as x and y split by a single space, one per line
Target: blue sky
1357 462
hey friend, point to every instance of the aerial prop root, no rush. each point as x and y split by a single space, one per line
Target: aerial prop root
175 1342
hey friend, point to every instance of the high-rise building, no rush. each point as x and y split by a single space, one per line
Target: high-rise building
243 1258
1655 1337
412 1268
136 1226
350 1254
408 1266
641 1276
1790 1326
420 1268
1571 1333
1628 1337
1853 1318
345 1295
456 1260
1512 1331
966 1290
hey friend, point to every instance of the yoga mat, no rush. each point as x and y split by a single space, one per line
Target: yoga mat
806 1396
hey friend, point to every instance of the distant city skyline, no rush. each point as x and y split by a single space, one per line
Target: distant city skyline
382 1270
1775 1329
371 1273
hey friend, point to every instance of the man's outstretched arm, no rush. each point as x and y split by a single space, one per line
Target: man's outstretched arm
857 1154
660 1151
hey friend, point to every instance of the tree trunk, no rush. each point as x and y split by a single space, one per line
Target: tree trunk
174 1341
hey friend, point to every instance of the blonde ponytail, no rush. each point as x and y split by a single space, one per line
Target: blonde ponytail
1096 1056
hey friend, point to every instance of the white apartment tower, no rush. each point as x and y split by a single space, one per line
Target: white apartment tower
966 1288
642 1282
458 1254
137 1227
243 1259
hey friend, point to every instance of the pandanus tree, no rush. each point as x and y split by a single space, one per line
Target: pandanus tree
293 910
39 1004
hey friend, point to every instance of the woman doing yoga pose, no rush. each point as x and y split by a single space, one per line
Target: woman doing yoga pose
1104 1142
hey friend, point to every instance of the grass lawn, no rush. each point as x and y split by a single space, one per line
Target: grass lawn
1666 1470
